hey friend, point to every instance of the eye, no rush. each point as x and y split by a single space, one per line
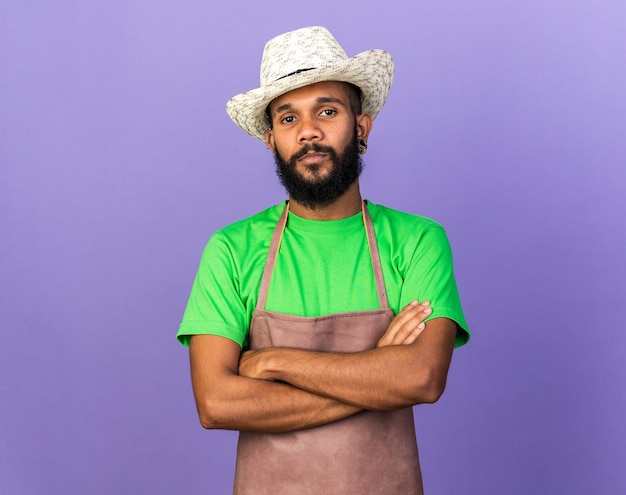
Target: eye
327 112
288 119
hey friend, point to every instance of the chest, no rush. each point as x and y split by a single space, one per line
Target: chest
322 274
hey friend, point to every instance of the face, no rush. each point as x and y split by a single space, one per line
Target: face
314 138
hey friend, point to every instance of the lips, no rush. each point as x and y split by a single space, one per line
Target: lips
312 157
312 152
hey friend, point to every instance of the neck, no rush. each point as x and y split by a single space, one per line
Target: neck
348 204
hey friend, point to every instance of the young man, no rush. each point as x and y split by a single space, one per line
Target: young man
315 325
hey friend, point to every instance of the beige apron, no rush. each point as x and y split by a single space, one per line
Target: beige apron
372 452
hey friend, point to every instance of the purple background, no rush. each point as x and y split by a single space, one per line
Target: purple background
506 123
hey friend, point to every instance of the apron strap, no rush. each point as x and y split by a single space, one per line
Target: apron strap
373 245
275 245
271 258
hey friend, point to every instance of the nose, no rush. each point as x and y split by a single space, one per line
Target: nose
309 131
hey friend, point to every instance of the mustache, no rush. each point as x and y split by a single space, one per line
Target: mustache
317 148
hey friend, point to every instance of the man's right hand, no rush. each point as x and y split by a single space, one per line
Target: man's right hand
407 325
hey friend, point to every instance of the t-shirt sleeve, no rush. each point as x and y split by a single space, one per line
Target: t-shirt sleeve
215 306
430 276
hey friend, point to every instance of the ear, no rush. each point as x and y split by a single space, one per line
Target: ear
364 124
269 140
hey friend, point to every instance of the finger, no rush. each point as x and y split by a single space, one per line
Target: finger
402 318
406 314
396 324
412 336
406 322
410 330
425 312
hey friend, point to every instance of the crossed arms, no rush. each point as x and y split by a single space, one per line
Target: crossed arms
284 389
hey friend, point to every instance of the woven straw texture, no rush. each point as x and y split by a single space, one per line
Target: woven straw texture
307 56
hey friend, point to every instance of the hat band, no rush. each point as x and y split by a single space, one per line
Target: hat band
294 73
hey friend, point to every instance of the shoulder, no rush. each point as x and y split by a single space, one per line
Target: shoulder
251 227
407 238
244 237
399 223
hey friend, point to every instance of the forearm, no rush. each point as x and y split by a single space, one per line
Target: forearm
389 377
365 379
247 404
226 400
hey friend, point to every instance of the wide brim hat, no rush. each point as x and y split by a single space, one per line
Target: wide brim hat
308 56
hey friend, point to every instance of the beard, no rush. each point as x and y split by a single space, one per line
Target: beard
317 193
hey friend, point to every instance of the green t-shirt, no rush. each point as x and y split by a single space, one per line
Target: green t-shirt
323 267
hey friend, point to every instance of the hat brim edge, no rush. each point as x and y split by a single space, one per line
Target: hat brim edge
247 110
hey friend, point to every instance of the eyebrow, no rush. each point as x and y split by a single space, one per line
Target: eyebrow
330 99
321 99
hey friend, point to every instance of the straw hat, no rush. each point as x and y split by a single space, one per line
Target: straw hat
307 56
